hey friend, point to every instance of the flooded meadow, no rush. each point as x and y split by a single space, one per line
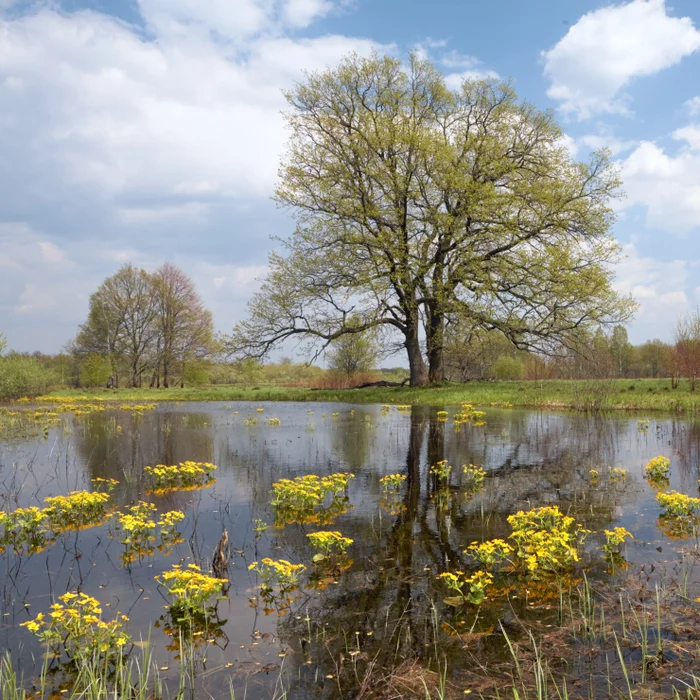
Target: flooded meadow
336 551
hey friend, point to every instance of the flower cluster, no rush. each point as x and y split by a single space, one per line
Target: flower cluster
180 477
468 414
441 471
469 588
138 525
273 421
392 482
473 476
677 505
658 468
617 474
25 527
77 510
310 489
189 587
615 538
75 625
490 552
34 527
277 572
329 545
107 485
136 407
545 539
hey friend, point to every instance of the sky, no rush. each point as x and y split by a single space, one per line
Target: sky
147 131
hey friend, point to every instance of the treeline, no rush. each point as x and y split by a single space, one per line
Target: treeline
151 329
483 355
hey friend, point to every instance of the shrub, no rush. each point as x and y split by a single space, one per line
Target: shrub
658 468
23 376
75 625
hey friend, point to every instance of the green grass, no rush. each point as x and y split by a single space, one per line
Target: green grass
624 394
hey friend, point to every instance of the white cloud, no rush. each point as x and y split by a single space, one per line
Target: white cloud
149 141
606 139
690 134
35 298
455 59
458 66
51 253
462 67
570 144
693 106
454 80
123 118
229 20
598 57
300 13
668 186
37 277
662 289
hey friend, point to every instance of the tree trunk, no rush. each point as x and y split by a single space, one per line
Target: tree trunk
416 365
436 349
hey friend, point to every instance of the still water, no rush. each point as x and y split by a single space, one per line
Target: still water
385 610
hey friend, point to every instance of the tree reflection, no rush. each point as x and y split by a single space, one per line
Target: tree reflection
387 610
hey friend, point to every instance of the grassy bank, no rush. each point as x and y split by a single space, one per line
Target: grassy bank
620 394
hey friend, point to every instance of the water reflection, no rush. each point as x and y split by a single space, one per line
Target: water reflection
380 611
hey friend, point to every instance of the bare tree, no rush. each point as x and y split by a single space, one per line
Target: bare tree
184 326
142 322
687 346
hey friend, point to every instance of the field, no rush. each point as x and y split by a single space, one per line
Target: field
615 394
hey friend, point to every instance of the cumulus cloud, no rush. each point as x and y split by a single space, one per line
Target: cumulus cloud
690 134
457 66
455 80
141 141
667 185
39 282
606 49
125 119
693 106
661 287
606 139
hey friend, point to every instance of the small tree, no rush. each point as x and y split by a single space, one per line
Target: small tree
3 343
655 356
507 367
352 355
250 370
621 351
95 370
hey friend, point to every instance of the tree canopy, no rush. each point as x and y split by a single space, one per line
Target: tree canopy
417 206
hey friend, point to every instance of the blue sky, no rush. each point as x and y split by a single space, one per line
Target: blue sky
150 130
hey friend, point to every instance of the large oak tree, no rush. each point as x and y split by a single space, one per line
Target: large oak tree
417 205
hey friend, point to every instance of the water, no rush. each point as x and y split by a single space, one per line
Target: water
385 611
